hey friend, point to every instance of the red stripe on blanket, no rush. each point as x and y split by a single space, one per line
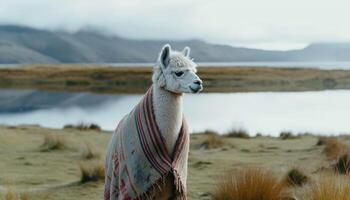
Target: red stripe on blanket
154 133
182 140
144 143
148 138
141 139
156 128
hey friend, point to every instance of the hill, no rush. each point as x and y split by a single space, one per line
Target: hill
28 45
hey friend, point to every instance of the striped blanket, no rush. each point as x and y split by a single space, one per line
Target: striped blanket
137 159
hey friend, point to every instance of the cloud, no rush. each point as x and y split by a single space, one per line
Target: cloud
267 24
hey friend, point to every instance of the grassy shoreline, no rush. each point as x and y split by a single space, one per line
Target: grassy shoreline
45 172
107 79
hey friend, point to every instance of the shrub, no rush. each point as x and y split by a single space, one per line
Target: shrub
91 171
295 177
342 165
53 141
249 184
95 127
211 140
90 152
288 135
83 126
237 133
331 187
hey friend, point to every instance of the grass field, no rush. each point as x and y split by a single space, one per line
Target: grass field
104 79
43 163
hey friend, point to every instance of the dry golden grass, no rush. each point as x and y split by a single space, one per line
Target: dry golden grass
10 194
53 142
25 196
91 171
90 152
342 165
295 177
325 140
334 148
211 140
249 184
328 187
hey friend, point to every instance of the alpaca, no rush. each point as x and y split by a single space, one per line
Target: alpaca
174 75
147 155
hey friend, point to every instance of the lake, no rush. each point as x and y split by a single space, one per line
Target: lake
269 113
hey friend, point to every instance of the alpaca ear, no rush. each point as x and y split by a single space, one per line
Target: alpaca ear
186 52
165 55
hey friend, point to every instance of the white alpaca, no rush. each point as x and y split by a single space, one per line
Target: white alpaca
147 155
174 74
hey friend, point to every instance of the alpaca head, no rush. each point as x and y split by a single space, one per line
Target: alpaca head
176 72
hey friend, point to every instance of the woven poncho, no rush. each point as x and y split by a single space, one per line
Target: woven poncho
137 158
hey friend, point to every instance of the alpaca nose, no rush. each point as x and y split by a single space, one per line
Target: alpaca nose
198 82
196 86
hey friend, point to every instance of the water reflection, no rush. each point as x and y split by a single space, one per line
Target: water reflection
323 112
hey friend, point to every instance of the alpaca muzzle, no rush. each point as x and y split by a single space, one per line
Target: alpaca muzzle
196 86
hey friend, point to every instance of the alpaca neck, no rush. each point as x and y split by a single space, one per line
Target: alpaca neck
168 113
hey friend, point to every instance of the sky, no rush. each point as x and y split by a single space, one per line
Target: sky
265 24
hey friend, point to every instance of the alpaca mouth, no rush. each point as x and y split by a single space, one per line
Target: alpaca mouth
196 90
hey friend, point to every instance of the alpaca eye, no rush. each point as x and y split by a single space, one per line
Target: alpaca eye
180 73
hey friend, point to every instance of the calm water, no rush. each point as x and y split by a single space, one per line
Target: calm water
325 112
320 65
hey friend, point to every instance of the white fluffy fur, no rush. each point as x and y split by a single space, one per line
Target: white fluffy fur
168 91
168 113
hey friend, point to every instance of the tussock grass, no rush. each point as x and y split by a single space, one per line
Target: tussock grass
328 187
237 133
342 165
90 152
295 177
83 126
91 171
249 184
334 148
52 142
10 194
211 140
325 140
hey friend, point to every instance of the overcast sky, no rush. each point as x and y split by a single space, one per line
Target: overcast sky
268 24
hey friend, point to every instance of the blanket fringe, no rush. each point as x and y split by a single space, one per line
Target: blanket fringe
179 190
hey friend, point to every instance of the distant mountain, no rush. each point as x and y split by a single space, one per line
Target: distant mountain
27 45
